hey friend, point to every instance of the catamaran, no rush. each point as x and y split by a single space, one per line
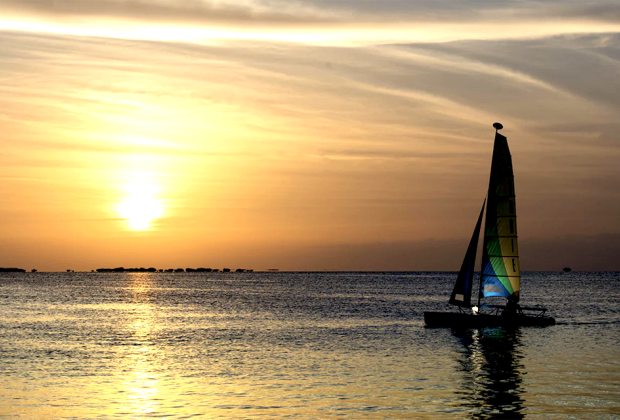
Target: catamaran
500 274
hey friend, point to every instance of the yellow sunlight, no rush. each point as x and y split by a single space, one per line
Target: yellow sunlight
140 207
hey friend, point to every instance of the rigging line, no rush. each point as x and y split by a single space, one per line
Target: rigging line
484 241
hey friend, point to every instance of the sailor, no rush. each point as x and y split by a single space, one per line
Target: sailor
511 307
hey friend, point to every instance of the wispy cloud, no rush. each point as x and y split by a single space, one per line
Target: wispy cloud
183 12
334 22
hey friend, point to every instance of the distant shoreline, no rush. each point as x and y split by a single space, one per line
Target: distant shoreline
170 270
244 270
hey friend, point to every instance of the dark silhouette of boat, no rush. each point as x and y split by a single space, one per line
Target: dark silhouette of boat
500 274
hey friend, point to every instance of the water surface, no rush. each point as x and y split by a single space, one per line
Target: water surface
298 345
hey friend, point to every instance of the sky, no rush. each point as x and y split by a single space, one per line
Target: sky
304 135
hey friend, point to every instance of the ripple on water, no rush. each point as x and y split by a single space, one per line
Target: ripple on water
298 345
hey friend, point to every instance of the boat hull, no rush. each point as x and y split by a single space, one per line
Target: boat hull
462 320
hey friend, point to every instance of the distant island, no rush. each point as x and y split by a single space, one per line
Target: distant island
170 270
141 270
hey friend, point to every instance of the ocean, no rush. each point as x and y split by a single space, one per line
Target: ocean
306 345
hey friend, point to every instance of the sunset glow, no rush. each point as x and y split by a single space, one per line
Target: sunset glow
140 204
310 209
140 208
300 135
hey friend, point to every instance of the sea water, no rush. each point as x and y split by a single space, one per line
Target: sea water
299 345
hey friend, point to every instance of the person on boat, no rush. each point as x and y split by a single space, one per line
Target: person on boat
512 307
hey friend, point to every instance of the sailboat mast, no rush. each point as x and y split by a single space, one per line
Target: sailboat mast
481 268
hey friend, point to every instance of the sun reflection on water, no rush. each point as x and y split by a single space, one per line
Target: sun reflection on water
142 384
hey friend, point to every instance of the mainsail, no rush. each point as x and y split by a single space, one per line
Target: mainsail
500 255
461 295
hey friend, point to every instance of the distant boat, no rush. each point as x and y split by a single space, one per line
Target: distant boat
566 269
500 271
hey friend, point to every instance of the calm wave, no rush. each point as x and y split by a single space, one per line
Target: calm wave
299 345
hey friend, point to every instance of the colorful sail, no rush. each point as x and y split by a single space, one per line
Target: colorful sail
461 295
501 275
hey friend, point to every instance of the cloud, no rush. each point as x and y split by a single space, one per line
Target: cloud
371 146
337 22
600 10
183 12
388 154
315 11
580 252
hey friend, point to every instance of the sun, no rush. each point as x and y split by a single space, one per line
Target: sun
140 207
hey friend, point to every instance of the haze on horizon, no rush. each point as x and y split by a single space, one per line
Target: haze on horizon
304 135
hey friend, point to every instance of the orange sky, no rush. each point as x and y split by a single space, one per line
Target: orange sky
303 135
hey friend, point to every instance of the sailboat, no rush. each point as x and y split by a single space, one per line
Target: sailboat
500 274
